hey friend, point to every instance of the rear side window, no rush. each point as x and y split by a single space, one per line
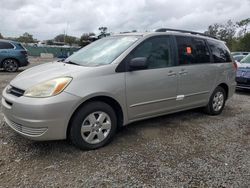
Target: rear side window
20 46
192 50
157 50
219 51
6 45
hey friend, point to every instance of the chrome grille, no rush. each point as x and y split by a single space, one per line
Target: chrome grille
25 130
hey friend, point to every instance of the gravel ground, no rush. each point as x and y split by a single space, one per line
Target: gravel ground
188 149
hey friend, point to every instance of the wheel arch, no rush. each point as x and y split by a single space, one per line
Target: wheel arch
1 64
103 98
225 87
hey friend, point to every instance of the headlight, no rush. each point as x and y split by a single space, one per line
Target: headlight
48 88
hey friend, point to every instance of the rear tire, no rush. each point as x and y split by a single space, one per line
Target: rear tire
216 102
10 65
93 126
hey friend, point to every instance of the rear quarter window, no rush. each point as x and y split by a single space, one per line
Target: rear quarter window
219 52
20 46
6 45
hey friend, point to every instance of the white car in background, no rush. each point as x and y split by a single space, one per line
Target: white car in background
238 58
239 53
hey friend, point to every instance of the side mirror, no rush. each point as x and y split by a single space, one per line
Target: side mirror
138 63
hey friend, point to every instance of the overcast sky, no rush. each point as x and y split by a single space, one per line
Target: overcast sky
47 18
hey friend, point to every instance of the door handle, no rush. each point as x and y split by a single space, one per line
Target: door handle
183 71
171 73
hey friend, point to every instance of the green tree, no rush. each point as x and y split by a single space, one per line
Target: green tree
235 45
244 43
70 40
103 32
26 38
49 42
243 24
60 38
86 38
227 32
213 30
91 34
1 36
223 32
66 39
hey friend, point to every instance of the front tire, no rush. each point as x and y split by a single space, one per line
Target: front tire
216 102
93 126
10 65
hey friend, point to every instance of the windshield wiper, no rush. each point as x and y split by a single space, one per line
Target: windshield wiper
70 62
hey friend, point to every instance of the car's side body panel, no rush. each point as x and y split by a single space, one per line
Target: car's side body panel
191 84
150 92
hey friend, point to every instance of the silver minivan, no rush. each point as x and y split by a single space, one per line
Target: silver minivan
118 80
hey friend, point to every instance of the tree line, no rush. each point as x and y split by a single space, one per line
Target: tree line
85 38
235 34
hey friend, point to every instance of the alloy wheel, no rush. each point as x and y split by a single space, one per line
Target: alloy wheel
10 65
218 101
96 127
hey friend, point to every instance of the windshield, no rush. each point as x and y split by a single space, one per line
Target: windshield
246 59
103 51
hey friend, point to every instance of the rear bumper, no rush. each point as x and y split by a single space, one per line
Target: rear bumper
241 86
24 62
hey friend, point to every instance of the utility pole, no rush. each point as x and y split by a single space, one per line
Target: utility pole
64 36
65 32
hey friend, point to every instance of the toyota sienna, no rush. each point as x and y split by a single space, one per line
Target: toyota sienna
118 80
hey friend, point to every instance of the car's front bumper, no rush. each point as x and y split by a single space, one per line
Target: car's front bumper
39 118
241 86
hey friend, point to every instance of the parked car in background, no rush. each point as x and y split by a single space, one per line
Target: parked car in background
243 74
12 55
118 80
239 53
238 58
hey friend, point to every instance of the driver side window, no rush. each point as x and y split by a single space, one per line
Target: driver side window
157 50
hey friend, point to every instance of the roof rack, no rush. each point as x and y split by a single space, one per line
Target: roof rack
183 31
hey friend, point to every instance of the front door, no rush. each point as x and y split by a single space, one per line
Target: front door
152 91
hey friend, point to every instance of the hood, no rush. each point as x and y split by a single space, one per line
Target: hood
45 72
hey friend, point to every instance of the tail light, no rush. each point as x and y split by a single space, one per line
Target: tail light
235 65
